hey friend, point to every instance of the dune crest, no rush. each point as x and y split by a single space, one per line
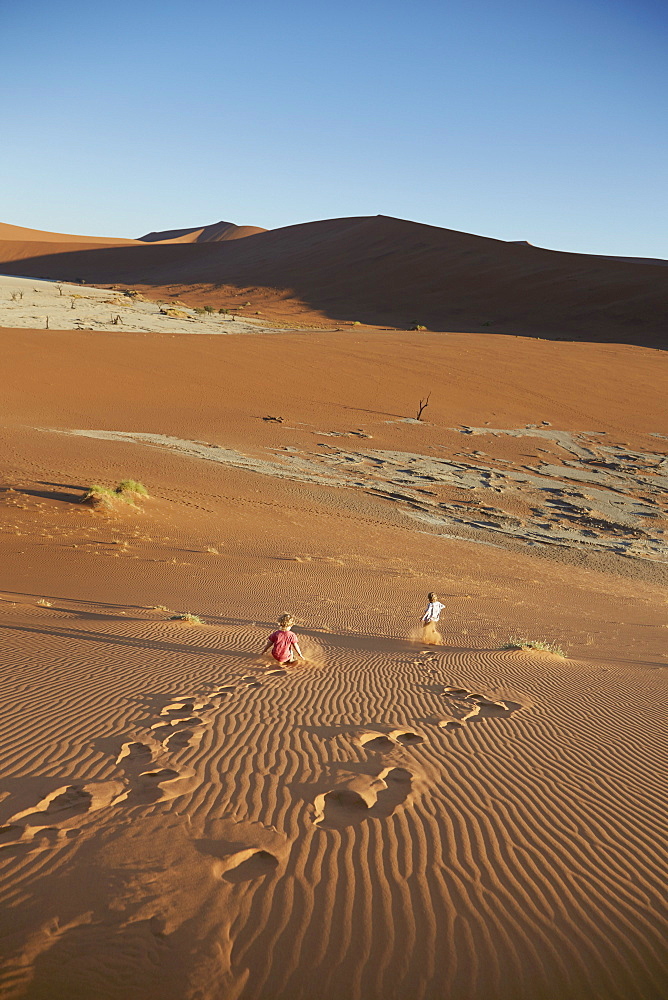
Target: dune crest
217 232
378 270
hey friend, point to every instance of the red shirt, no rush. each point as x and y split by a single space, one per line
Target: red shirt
282 642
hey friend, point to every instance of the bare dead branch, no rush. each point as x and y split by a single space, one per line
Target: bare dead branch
424 403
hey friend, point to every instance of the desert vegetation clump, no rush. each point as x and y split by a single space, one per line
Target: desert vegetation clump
187 616
174 312
540 644
101 497
132 486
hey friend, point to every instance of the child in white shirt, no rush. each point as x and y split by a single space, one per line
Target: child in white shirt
430 617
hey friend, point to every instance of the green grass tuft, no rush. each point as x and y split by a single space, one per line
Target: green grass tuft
132 486
105 497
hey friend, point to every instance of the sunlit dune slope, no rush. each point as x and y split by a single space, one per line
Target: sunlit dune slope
20 234
183 819
216 233
381 270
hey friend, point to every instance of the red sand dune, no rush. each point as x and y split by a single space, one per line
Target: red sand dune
20 234
380 270
182 819
216 233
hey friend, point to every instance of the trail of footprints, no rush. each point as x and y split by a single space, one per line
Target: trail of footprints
369 796
148 773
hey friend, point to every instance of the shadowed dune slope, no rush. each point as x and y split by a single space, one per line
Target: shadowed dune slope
215 233
381 270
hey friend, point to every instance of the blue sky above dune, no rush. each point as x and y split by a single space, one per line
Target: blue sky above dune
542 120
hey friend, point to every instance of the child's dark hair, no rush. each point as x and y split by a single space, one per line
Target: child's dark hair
432 597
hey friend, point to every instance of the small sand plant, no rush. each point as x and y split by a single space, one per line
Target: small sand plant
540 644
43 603
173 312
132 486
106 497
187 616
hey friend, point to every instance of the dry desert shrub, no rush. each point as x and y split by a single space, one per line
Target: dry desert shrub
175 313
545 647
188 617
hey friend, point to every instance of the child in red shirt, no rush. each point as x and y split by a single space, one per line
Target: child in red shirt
283 643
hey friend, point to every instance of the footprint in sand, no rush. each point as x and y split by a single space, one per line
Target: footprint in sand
384 742
146 779
450 724
248 864
485 709
406 737
480 707
62 809
376 741
164 731
363 797
454 692
179 708
240 851
181 739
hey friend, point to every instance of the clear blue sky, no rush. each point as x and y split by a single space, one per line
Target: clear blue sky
543 120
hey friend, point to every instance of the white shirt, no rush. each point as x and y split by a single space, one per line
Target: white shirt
433 612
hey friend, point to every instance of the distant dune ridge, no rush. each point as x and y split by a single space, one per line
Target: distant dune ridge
215 233
375 270
21 234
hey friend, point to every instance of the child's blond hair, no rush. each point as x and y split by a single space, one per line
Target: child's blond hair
286 621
